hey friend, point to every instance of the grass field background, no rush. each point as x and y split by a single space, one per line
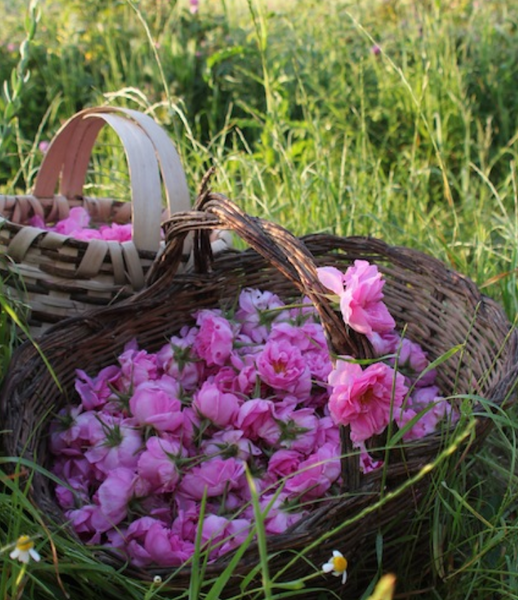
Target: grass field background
396 119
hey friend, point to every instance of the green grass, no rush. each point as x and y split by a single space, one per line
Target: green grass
310 126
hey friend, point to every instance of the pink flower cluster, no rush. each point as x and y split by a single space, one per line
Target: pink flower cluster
78 226
369 399
157 432
159 435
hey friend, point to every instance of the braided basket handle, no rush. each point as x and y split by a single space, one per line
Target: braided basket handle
144 142
276 244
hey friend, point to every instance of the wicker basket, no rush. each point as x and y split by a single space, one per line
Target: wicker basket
439 307
61 276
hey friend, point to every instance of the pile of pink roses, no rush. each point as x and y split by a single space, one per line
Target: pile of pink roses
159 434
78 225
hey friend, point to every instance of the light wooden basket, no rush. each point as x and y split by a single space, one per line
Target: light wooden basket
58 276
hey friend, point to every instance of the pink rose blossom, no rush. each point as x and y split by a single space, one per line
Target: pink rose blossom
133 539
112 497
316 474
231 443
137 366
94 393
384 343
165 548
367 463
277 519
361 300
293 335
284 462
255 416
224 534
156 465
431 408
119 448
366 399
299 430
214 339
65 432
215 475
412 358
220 408
186 523
256 310
177 359
281 366
81 521
156 403
77 219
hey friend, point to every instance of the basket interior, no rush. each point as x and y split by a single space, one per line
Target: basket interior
434 306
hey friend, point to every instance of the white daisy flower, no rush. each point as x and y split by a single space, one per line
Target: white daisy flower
24 550
337 565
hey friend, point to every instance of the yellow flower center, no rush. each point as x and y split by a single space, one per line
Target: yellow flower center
24 543
279 366
339 564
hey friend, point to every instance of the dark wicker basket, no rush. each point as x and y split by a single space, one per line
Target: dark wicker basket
439 308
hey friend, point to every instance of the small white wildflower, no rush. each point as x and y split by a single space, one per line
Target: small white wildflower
337 564
157 580
24 550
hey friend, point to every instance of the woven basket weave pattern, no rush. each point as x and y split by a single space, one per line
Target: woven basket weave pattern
60 276
439 308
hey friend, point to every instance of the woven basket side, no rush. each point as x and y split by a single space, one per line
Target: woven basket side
58 276
439 308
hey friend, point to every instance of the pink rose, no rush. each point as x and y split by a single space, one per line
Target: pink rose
220 408
133 540
292 334
224 534
284 462
231 443
116 232
215 338
316 474
328 431
277 519
428 408
165 548
255 417
281 366
178 360
361 300
119 447
413 358
78 218
364 399
257 309
156 403
94 393
81 521
215 475
386 342
137 366
65 432
186 523
157 467
113 497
